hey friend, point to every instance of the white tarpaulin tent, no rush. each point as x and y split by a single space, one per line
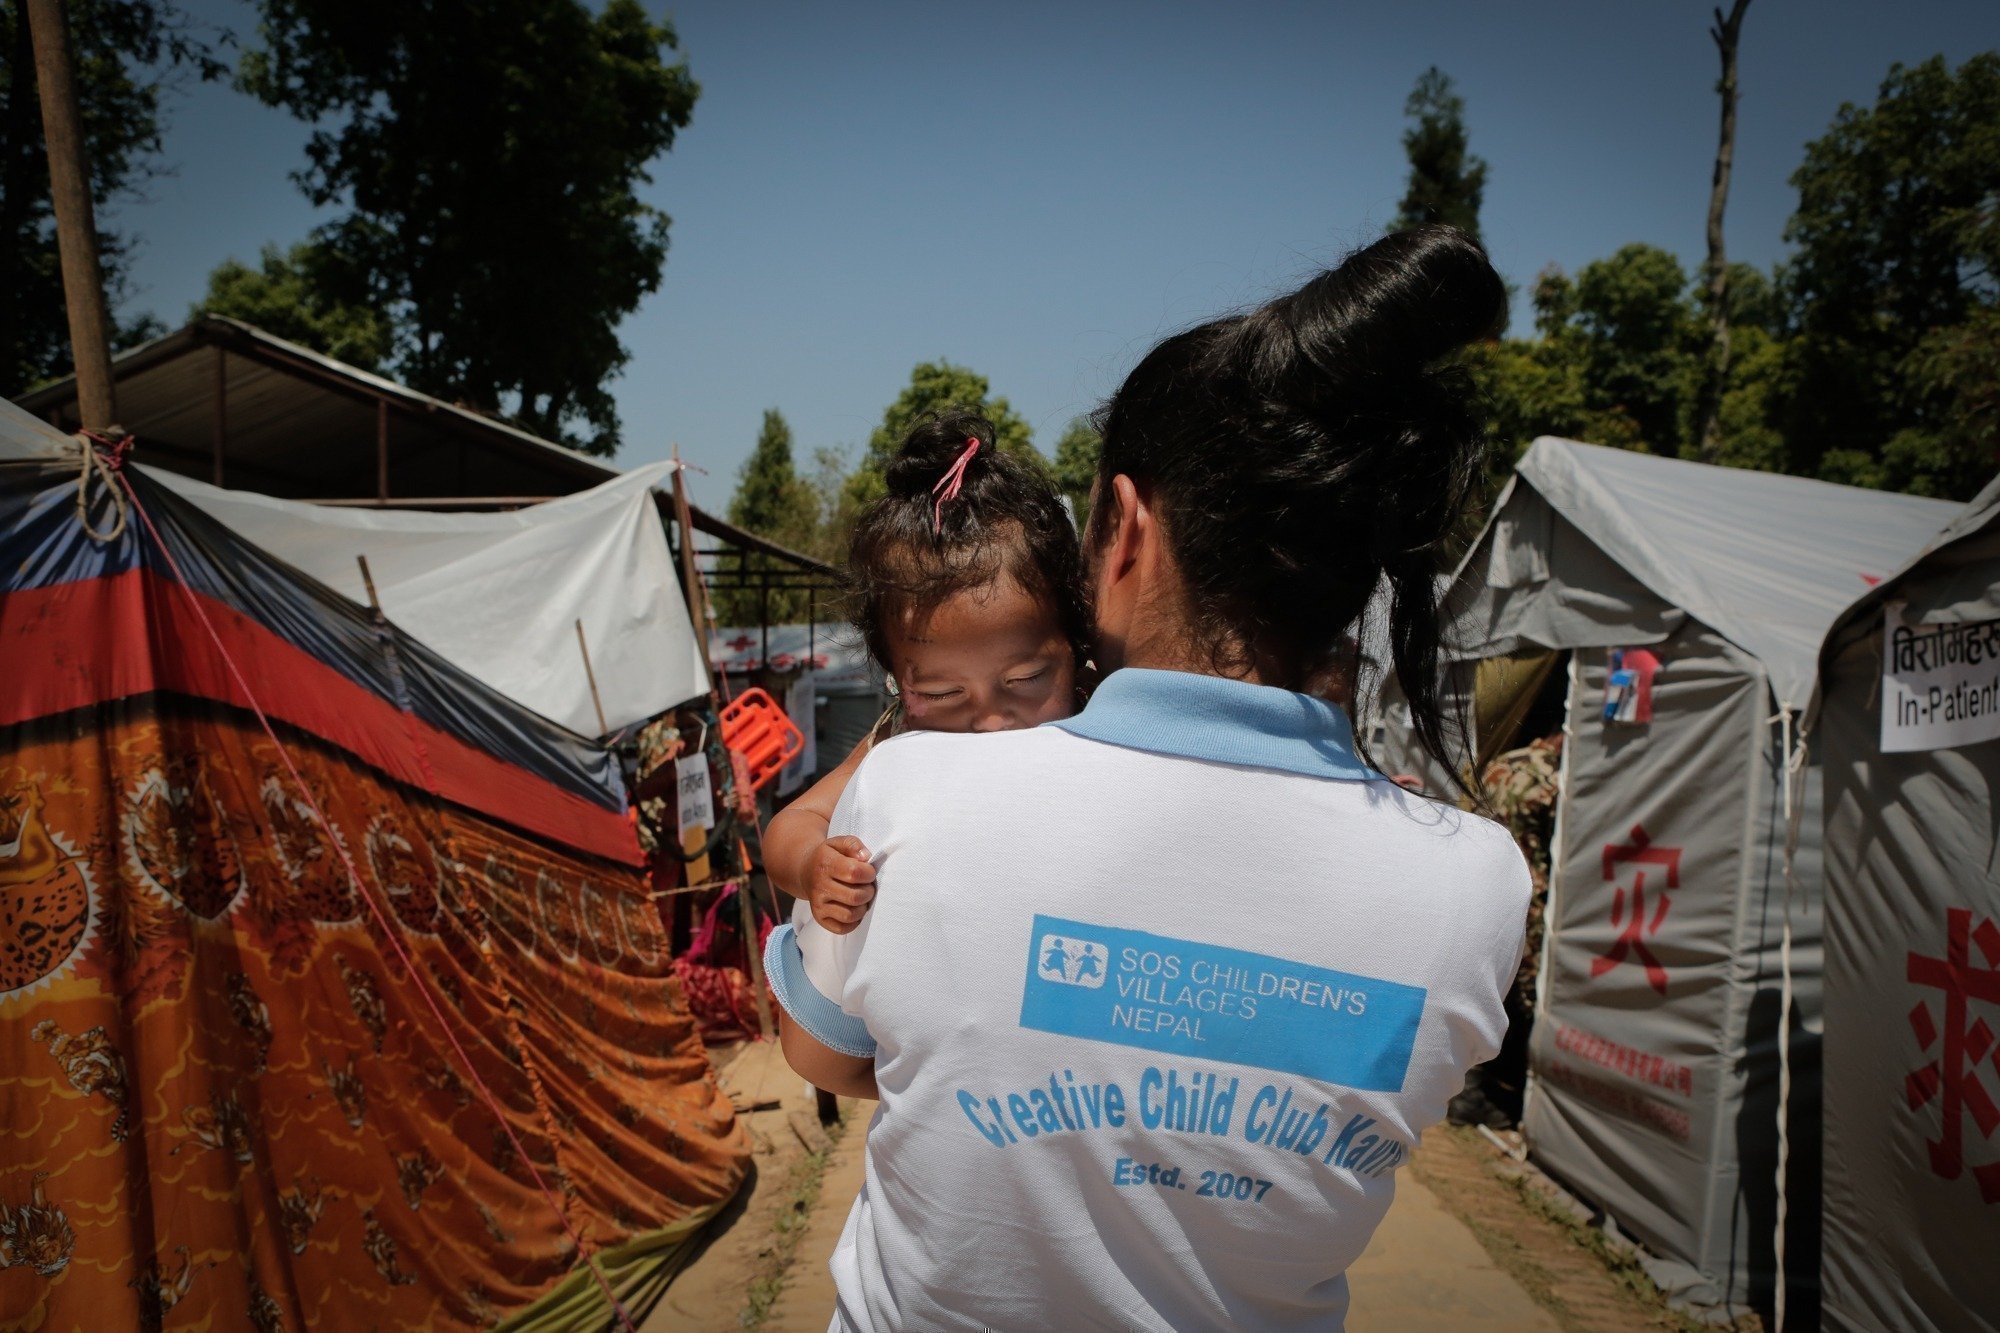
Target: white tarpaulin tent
1653 1085
24 435
499 595
1912 1070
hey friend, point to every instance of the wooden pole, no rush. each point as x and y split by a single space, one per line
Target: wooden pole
76 224
368 582
221 434
697 599
583 646
382 450
1715 374
697 596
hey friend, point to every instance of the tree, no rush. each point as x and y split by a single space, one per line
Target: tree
1639 331
489 186
1708 429
1616 360
1952 378
1446 181
1076 465
772 501
130 56
1896 238
290 294
933 386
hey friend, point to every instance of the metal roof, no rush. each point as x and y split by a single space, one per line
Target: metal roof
230 404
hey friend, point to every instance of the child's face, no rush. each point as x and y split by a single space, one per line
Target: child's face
991 658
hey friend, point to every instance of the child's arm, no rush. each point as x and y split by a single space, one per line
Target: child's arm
832 874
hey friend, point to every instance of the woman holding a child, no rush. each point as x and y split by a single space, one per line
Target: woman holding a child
1158 993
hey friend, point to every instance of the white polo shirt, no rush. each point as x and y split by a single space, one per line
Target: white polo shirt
1160 998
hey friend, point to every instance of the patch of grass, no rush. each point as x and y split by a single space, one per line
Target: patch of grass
801 1193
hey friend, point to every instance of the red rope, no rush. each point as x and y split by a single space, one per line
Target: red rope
375 909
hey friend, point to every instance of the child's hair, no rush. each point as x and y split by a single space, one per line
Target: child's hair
924 542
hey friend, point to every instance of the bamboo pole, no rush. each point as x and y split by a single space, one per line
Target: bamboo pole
76 223
589 674
382 450
219 438
691 585
697 599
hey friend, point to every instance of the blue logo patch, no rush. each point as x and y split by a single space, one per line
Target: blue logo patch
1182 997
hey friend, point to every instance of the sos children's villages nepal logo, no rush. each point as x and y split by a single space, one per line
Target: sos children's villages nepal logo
1072 962
1152 992
1188 997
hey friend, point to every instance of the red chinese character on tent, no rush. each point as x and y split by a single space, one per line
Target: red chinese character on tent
1953 1078
1630 921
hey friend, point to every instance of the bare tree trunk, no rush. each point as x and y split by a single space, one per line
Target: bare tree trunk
1716 372
76 225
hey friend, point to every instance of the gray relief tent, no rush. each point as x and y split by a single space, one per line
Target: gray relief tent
1653 1062
1912 990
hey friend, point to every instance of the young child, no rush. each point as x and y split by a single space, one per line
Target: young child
969 592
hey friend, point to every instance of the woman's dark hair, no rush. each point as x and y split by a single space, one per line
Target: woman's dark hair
910 553
1304 454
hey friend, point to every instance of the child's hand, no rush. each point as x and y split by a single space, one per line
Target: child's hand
840 883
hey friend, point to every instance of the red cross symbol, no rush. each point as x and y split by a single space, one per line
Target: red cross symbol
1633 927
1953 1078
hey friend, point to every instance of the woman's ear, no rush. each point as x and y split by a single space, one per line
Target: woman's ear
1123 535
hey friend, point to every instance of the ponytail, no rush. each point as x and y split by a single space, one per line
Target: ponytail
1316 449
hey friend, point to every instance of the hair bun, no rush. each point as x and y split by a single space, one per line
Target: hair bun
1379 318
932 446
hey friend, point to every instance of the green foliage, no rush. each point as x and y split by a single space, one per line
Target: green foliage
1754 301
1640 343
130 56
1873 359
933 386
1076 465
489 185
1617 360
1953 374
774 502
1897 239
1756 374
771 499
290 294
1447 181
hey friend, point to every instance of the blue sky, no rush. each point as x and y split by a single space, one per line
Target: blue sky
1041 190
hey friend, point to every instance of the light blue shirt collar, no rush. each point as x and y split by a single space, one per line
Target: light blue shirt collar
1223 721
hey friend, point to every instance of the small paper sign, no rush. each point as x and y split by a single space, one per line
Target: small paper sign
697 800
1940 683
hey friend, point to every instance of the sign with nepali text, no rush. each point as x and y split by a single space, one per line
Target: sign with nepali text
1940 683
696 800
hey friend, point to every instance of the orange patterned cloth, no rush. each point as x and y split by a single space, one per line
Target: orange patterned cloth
225 1104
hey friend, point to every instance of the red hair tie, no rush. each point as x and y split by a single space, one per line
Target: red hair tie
952 482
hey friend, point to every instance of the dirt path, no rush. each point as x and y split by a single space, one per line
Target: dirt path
1473 1244
1571 1271
1461 1250
806 1301
743 1268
